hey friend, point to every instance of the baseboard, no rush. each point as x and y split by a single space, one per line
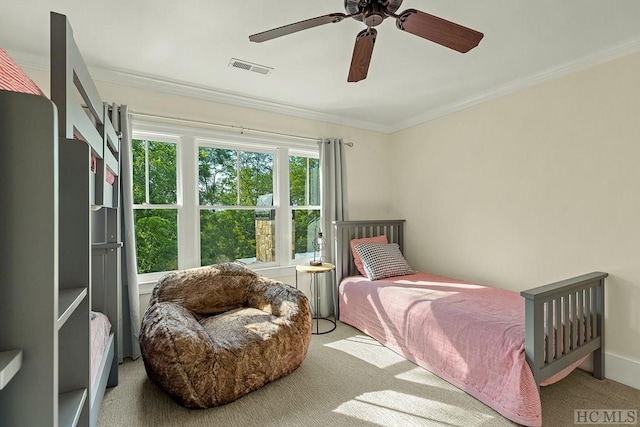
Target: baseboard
622 370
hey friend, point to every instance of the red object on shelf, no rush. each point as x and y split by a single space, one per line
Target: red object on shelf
94 163
110 177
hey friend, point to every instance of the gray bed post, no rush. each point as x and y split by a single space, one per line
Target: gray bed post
534 321
338 272
598 355
334 293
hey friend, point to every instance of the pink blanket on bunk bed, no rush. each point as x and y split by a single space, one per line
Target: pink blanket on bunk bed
470 335
12 77
100 330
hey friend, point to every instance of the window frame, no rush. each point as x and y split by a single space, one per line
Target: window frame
301 153
217 144
169 138
187 140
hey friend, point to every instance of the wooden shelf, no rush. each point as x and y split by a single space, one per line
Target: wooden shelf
68 300
10 363
70 406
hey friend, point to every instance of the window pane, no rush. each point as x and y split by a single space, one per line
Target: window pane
306 223
304 181
256 178
217 176
156 239
314 182
229 235
297 180
139 191
162 173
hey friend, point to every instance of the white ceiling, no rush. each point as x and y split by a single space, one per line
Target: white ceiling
186 46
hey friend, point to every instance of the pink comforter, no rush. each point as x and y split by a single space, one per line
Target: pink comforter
470 335
100 330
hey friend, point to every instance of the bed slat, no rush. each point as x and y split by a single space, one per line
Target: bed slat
549 334
557 327
566 326
594 298
580 318
588 311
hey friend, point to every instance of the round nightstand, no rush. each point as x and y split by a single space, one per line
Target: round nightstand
313 270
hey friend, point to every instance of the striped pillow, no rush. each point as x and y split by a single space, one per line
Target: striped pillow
380 260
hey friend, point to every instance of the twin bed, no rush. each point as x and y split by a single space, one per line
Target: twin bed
497 345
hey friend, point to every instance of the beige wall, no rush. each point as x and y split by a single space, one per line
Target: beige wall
531 188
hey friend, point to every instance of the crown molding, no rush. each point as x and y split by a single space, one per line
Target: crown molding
127 78
609 54
209 94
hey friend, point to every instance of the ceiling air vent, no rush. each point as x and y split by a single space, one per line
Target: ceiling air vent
249 66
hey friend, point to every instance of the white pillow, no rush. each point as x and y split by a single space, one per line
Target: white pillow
382 260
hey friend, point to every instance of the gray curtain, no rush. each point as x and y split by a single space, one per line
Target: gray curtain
333 186
130 332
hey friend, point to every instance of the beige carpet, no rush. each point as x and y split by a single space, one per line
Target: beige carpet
349 379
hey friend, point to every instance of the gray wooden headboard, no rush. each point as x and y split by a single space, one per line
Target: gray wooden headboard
344 231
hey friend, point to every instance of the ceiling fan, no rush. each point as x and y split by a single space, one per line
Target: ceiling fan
372 13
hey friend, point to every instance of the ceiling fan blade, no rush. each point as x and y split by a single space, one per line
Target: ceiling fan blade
297 26
438 30
362 52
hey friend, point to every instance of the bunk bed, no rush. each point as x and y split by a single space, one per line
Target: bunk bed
497 345
60 271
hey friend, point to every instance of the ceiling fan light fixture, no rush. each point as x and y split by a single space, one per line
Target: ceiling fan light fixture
373 14
373 19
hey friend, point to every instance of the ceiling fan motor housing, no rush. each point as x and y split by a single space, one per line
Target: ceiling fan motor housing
371 12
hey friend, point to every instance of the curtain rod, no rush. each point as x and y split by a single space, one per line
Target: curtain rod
240 129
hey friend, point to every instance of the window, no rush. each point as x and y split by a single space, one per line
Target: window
232 184
204 197
155 205
304 191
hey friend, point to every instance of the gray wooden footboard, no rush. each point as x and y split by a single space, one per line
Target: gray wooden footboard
571 311
565 322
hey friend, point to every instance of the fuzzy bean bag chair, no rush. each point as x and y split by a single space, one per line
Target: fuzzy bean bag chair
213 334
